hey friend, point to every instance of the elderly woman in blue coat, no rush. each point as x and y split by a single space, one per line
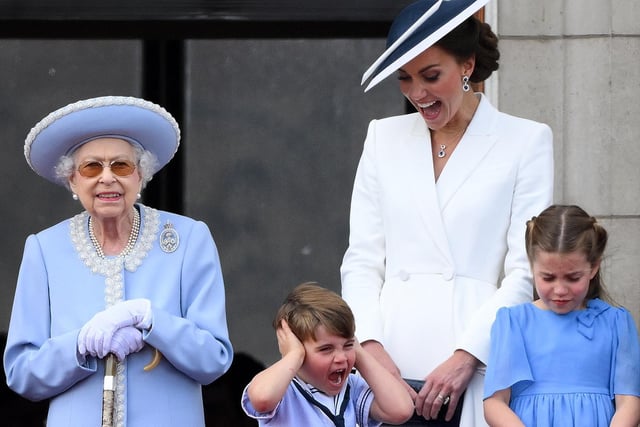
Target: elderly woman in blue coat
119 278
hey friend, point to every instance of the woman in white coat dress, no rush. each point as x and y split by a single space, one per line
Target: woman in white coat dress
440 202
118 278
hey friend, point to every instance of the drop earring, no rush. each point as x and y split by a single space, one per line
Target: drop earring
465 83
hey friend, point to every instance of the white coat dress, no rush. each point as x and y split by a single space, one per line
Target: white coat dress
429 263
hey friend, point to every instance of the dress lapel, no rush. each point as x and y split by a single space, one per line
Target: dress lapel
420 173
475 144
431 198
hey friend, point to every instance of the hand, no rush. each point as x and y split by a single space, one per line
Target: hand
96 335
288 342
377 350
450 379
125 341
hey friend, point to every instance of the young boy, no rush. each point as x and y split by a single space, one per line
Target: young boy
312 384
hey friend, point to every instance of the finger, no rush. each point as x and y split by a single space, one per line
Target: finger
118 340
130 345
138 346
121 342
423 402
282 340
89 344
94 342
82 339
420 402
438 402
436 405
453 402
287 330
103 344
120 355
100 349
106 344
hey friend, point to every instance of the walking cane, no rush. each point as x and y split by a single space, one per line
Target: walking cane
109 387
109 390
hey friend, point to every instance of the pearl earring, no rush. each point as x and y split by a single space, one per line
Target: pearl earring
138 196
74 196
465 83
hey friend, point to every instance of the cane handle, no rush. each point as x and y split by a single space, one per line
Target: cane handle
157 356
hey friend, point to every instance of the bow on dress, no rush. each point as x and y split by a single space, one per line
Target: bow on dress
587 317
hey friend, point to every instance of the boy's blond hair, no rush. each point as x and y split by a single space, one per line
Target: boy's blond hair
310 305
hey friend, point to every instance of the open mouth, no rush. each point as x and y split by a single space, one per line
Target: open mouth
430 109
427 105
337 377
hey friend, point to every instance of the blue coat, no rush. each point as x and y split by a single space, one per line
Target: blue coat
57 293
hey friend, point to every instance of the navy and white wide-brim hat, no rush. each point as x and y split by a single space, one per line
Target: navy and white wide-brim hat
135 120
416 28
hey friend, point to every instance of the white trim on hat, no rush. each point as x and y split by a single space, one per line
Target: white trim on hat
401 39
420 47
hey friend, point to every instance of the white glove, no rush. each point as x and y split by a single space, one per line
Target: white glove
125 341
96 335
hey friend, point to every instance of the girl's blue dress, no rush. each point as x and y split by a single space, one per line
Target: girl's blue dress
564 369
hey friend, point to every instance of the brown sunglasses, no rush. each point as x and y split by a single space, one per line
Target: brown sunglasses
93 168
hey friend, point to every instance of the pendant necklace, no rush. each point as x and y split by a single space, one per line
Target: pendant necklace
443 147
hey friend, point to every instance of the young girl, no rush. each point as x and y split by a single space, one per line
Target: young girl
569 358
312 384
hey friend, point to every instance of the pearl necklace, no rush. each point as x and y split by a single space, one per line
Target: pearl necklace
133 236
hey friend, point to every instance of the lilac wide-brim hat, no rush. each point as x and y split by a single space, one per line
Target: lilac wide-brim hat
135 120
416 28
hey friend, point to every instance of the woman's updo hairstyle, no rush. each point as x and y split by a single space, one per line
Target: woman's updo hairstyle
470 38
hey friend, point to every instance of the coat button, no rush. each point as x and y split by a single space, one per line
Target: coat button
447 274
403 275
